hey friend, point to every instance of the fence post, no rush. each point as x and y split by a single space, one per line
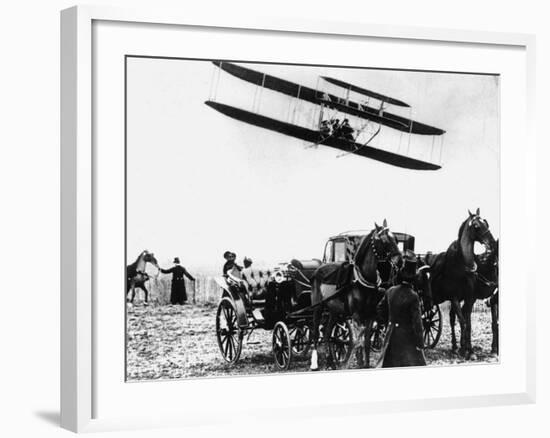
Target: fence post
212 285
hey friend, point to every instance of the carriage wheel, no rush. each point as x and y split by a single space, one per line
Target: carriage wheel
432 325
282 350
377 337
340 342
230 336
300 339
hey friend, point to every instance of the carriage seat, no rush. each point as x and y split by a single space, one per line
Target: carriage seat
255 281
306 267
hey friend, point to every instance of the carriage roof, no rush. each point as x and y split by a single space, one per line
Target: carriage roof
401 237
405 240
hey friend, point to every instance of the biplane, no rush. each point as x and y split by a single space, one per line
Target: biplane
326 131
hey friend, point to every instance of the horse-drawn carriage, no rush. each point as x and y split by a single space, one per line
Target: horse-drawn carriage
280 300
342 247
277 300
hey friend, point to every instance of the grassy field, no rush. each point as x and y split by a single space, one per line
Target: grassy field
167 342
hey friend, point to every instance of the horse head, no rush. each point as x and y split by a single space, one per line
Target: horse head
377 247
477 229
385 246
144 258
150 258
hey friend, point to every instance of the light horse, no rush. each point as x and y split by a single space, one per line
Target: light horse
454 275
136 275
486 288
358 296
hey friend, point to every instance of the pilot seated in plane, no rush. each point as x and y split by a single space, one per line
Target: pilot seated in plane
335 125
324 129
346 131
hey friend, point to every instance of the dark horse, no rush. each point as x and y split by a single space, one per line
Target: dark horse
357 295
454 275
136 275
486 288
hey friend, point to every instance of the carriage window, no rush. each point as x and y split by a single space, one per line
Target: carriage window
328 252
340 251
401 246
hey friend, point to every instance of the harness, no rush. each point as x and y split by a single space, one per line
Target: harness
358 278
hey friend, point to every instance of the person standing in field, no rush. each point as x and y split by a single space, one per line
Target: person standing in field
400 308
178 294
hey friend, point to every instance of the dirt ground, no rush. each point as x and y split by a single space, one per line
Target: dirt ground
168 342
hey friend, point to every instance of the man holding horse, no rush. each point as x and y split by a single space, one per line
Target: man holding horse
178 294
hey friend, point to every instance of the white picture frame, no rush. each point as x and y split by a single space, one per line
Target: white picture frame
79 200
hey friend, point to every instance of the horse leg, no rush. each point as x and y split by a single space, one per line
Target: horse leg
129 287
133 293
366 342
467 313
494 327
317 313
452 321
328 332
458 312
358 346
146 292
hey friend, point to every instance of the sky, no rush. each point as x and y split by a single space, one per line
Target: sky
200 183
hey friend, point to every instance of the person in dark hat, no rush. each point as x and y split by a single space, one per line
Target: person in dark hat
335 127
247 262
400 307
178 294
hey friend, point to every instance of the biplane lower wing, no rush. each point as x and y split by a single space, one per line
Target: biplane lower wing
313 137
318 97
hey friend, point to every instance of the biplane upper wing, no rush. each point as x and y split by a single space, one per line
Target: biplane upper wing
365 92
318 97
313 137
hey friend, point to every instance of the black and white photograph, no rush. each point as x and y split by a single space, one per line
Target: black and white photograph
300 218
290 218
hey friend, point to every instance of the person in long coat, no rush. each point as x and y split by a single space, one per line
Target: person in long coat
404 342
178 294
